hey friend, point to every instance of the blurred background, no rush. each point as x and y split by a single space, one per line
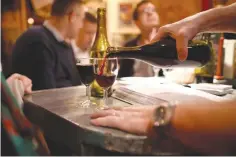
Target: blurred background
18 15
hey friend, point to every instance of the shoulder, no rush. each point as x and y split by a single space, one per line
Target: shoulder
34 39
35 33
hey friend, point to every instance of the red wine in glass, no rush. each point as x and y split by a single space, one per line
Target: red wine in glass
85 68
105 81
86 73
105 70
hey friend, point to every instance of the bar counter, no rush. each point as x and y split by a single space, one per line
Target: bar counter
57 112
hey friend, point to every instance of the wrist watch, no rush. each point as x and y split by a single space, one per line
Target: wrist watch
161 125
163 115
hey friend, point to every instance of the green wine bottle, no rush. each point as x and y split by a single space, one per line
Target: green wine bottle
164 54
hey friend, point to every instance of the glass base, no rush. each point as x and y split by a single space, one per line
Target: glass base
93 104
87 103
102 107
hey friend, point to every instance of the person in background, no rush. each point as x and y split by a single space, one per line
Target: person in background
83 42
42 53
147 20
205 126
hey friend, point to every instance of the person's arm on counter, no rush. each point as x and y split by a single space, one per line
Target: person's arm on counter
207 127
19 85
26 82
214 20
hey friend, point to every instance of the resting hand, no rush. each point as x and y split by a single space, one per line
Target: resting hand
27 83
136 120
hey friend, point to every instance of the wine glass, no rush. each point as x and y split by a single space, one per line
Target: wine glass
156 71
105 70
86 72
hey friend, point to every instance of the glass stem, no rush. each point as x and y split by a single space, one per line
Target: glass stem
105 97
88 92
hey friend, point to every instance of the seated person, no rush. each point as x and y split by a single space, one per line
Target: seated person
42 53
147 20
83 42
18 135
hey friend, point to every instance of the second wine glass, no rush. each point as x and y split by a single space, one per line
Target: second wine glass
86 72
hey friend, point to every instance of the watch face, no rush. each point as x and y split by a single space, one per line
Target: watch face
163 114
160 115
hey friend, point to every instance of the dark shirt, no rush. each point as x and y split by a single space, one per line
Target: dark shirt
46 61
126 65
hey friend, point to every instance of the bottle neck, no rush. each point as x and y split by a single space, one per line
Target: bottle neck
100 45
121 51
101 30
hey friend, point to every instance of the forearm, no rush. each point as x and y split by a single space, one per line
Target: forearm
207 127
217 20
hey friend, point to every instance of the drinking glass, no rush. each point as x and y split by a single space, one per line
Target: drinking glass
105 71
156 71
86 72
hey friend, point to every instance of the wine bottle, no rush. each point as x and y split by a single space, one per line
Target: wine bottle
99 48
163 53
